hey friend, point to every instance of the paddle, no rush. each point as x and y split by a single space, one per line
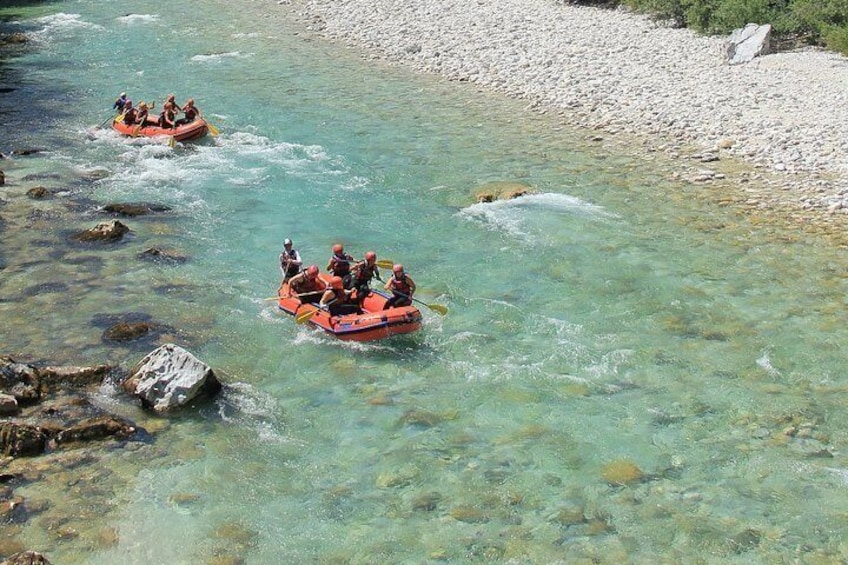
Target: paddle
109 119
296 295
438 308
213 131
306 316
172 142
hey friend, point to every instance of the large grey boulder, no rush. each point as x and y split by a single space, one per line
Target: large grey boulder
748 42
170 377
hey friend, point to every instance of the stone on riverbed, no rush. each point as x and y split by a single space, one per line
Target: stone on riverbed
112 230
492 191
133 209
170 377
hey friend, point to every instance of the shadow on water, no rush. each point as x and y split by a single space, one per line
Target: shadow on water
21 97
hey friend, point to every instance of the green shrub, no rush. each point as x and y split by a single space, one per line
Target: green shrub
836 38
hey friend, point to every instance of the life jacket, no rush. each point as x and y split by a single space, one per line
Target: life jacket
288 256
141 117
401 285
340 264
190 114
130 116
365 273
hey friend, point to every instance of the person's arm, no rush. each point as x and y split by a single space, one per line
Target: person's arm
326 297
411 285
377 274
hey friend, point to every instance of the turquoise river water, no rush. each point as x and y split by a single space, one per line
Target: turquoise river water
628 373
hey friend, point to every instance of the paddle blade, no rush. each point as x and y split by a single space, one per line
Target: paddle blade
213 131
305 317
438 308
385 263
172 142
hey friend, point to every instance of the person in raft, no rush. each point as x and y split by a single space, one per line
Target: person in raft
337 300
120 103
307 286
340 264
168 115
191 113
130 114
362 273
142 114
402 287
290 261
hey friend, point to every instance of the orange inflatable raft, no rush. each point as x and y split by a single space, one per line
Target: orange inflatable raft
373 323
185 132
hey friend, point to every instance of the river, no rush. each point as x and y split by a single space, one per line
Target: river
628 371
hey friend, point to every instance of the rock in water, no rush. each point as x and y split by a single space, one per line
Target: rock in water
169 377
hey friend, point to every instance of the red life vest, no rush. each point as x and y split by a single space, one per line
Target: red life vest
401 285
365 272
340 264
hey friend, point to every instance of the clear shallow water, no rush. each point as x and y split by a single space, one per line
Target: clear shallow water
608 323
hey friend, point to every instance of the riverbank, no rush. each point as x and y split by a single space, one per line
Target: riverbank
632 82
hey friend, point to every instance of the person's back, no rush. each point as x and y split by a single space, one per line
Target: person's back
168 116
307 286
130 114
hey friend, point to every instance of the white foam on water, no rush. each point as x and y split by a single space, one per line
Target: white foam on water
58 24
131 19
214 58
764 362
515 216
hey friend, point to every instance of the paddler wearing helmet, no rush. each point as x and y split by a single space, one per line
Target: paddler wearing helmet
307 286
290 261
402 287
336 299
340 264
363 272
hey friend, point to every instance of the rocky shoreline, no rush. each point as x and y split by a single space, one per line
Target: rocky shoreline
633 82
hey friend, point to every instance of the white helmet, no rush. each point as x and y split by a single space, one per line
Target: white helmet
287 242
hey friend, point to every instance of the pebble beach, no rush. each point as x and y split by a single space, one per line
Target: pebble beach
627 77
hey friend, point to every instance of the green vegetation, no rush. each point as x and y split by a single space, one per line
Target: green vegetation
794 22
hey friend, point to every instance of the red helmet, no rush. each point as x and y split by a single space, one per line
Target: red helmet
338 248
398 268
336 283
370 256
312 271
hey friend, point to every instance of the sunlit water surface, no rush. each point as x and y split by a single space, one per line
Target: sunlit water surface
627 372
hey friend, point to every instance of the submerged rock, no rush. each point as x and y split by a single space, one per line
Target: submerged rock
133 209
492 191
127 331
39 192
163 255
96 428
26 558
21 439
19 380
170 377
622 472
112 230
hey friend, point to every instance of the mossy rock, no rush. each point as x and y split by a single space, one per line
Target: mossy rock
622 472
501 190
